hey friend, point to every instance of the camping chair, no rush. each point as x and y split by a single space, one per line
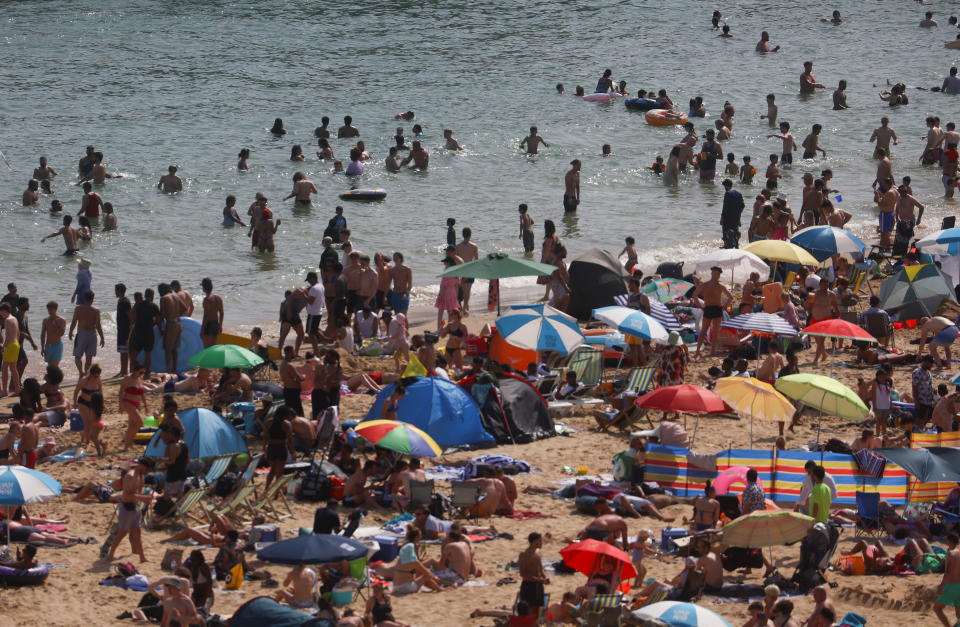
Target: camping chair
465 495
421 493
868 515
264 505
358 571
879 326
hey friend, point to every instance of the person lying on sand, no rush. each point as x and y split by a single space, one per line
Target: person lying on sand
606 527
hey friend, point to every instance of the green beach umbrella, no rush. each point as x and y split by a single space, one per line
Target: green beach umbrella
225 356
824 394
666 290
499 266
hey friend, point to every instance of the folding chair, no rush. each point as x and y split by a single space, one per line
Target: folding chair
358 571
264 505
587 362
233 504
868 515
324 434
421 493
465 495
183 511
216 470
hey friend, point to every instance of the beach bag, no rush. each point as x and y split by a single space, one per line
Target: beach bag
234 578
125 569
670 270
852 619
870 463
172 560
622 465
315 485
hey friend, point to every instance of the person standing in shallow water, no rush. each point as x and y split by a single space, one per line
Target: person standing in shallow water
571 187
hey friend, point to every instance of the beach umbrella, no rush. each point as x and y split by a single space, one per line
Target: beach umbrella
586 555
736 263
314 548
915 291
208 434
926 465
684 398
225 356
781 250
679 614
660 313
499 266
398 436
752 398
838 329
825 241
633 322
540 328
762 322
20 485
666 290
766 528
824 394
945 242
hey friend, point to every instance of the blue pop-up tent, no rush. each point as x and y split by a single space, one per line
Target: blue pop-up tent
441 408
208 434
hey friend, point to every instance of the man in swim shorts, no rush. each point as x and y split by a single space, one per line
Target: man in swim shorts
123 326
606 526
949 588
468 251
887 198
171 310
86 321
526 229
52 330
714 296
9 376
70 236
144 317
401 278
212 323
571 187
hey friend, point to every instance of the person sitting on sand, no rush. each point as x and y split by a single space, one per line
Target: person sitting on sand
636 506
410 574
379 611
298 587
26 560
821 601
456 560
706 509
606 527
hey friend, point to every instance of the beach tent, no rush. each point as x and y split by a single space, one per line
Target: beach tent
190 344
915 291
517 414
596 277
208 434
441 408
260 611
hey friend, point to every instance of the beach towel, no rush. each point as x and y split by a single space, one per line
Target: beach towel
520 514
52 528
136 582
70 455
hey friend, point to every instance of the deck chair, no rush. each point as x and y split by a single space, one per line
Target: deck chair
183 511
421 493
264 505
464 496
857 278
233 505
868 515
879 326
216 470
587 362
605 610
324 434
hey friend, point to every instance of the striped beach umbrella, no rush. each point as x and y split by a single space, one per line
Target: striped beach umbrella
20 485
658 311
945 242
825 241
398 436
762 322
540 328
633 322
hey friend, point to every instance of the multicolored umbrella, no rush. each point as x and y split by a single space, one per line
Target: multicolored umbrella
587 555
540 328
666 290
736 263
824 394
825 241
225 356
753 398
398 436
767 528
781 250
633 322
838 329
945 242
678 614
20 485
762 322
916 291
684 398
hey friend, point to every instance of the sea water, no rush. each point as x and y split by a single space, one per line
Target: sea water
152 84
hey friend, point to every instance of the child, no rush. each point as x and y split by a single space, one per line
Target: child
732 168
747 172
337 167
642 547
771 115
789 143
606 151
773 173
400 139
631 254
658 166
451 233
811 143
723 133
109 219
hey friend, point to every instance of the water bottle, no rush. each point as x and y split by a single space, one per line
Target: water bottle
76 420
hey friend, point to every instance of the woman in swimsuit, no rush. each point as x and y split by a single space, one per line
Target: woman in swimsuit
277 440
550 242
560 279
88 399
242 165
455 344
389 409
379 611
133 400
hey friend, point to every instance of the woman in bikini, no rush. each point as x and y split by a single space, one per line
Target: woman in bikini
455 344
88 399
133 400
389 409
550 241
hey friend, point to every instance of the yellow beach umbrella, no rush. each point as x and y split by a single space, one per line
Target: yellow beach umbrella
752 398
781 250
767 528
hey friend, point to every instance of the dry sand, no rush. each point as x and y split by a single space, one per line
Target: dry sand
71 595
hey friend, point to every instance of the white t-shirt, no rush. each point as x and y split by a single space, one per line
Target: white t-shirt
317 293
807 487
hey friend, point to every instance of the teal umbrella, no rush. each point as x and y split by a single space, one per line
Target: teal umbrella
499 266
225 356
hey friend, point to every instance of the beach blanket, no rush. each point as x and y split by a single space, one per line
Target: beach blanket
67 456
496 459
136 582
444 473
521 514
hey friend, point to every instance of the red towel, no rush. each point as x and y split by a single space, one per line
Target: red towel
519 514
52 528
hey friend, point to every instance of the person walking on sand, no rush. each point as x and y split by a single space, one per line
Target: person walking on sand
128 511
9 376
571 188
715 295
86 321
949 588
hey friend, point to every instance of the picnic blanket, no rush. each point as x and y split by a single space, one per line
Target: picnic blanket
68 456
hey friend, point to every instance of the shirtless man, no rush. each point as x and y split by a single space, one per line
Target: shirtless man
825 306
401 493
393 160
212 322
52 330
86 321
170 183
533 578
906 203
772 363
840 97
291 379
949 588
302 189
834 216
933 151
764 44
808 83
128 514
928 21
882 135
456 560
449 142
98 173
715 295
298 587
887 198
348 129
355 492
606 527
184 297
418 155
709 563
951 135
44 172
533 141
31 195
493 491
468 251
171 308
9 376
571 187
368 280
510 492
401 278
526 229
86 162
942 332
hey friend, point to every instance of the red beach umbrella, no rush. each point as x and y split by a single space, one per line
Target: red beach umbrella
839 329
684 398
585 556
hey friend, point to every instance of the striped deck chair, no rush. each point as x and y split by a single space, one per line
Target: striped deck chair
264 505
637 383
183 511
216 470
233 506
587 362
857 277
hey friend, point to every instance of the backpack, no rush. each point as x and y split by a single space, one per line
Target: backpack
315 485
439 505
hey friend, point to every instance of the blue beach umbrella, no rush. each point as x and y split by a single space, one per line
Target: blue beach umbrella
945 242
540 328
633 322
20 485
315 548
208 434
677 614
825 241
